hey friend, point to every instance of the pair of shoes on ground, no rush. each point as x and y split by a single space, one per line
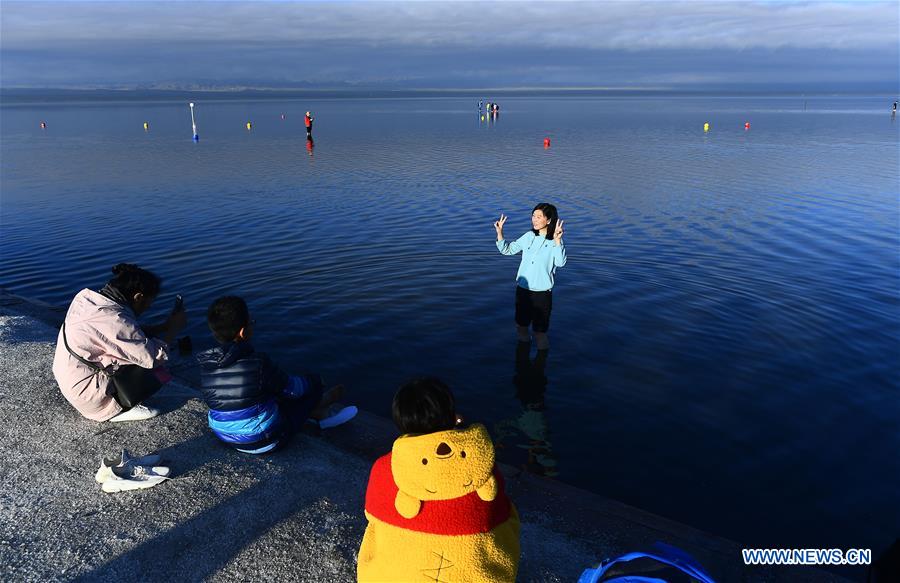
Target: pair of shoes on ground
336 415
136 413
131 473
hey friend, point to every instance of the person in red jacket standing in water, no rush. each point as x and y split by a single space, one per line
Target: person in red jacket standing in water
308 119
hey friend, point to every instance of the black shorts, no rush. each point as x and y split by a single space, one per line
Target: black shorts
533 308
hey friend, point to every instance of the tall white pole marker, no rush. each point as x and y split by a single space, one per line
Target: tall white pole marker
194 124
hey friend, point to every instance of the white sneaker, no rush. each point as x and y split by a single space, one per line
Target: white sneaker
110 466
136 413
106 473
138 478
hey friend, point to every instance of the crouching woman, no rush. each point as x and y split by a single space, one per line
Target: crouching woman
101 339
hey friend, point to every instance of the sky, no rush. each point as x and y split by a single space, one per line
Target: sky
690 45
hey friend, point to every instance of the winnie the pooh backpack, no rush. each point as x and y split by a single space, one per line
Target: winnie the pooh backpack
438 513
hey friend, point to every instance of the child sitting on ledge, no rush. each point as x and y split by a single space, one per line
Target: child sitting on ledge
253 405
436 504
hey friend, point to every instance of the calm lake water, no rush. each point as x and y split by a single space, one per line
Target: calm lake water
725 337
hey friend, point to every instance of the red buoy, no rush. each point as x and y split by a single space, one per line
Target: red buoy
747 125
546 142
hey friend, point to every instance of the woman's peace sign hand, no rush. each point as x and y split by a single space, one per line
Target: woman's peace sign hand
558 233
498 226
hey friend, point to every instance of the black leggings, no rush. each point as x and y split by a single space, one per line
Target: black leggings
132 384
533 308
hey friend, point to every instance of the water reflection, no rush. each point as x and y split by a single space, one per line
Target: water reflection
528 432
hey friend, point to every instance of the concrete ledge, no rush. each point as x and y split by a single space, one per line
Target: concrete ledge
295 515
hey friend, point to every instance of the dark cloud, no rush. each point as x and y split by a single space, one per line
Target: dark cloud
441 44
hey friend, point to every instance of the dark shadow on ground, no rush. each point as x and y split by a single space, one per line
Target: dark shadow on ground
285 505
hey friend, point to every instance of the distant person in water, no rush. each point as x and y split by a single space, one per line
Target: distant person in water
308 120
101 337
542 252
894 108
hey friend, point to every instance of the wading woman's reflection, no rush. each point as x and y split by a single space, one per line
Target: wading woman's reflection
528 431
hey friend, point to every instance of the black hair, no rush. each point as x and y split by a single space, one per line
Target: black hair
550 212
129 279
226 316
424 405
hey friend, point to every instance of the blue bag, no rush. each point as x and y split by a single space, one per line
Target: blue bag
663 553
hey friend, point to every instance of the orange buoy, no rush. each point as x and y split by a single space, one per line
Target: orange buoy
546 142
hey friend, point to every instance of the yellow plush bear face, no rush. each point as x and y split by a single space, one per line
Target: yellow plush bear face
445 465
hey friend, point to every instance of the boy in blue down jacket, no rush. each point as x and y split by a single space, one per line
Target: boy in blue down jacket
254 406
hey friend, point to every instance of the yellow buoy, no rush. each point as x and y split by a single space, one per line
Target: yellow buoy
706 127
249 125
146 125
482 118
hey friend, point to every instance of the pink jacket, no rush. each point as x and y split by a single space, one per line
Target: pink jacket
102 331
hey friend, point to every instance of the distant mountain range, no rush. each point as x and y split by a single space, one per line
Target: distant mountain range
213 90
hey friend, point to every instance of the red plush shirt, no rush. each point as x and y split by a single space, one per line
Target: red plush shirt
468 514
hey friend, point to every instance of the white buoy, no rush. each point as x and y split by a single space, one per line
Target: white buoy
194 124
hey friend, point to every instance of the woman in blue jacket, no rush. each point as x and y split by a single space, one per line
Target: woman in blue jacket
542 252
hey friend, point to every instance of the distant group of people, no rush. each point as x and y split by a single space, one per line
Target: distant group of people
437 493
490 109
